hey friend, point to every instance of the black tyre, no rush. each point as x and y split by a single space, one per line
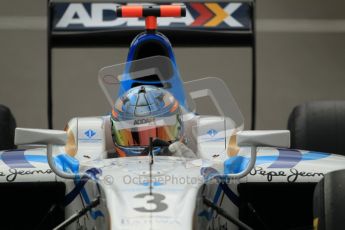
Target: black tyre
7 127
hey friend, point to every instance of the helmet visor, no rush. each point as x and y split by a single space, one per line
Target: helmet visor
140 134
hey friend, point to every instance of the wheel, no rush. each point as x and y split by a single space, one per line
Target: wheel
7 127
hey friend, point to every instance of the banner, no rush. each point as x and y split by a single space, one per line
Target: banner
219 16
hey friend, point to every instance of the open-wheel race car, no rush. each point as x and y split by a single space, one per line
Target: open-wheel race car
170 155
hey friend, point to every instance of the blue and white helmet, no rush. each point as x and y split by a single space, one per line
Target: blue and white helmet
141 113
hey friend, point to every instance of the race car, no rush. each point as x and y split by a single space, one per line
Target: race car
160 160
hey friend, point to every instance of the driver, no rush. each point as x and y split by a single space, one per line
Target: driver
145 112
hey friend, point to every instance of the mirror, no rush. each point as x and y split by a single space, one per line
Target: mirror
24 136
240 166
55 140
264 138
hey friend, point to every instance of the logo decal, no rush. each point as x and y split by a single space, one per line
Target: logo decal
144 121
220 15
212 132
90 133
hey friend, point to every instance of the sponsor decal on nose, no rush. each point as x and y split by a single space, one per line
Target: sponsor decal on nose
90 133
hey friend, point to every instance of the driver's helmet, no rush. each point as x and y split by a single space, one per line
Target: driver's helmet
142 112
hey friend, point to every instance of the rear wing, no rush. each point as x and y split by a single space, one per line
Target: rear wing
94 24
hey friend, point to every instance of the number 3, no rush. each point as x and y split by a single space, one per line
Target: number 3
157 198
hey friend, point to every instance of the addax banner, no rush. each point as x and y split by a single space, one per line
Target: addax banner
230 16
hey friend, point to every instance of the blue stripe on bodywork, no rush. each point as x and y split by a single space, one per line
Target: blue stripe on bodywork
75 192
208 214
222 187
36 158
230 194
92 173
288 158
314 156
16 159
79 185
80 189
210 173
235 164
94 214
